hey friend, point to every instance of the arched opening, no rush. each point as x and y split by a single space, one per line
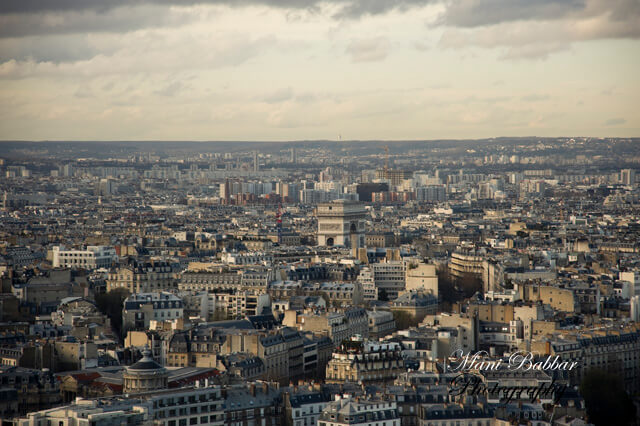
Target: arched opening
330 242
353 228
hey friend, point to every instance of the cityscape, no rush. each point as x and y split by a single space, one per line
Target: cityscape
451 282
319 213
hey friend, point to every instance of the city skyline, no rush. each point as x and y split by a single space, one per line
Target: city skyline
276 71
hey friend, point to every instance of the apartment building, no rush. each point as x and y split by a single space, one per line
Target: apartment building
143 277
92 258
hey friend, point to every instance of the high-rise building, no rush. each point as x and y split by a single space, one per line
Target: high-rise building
293 155
432 193
106 187
67 170
225 192
256 166
395 177
627 177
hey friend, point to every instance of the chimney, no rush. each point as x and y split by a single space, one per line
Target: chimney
252 389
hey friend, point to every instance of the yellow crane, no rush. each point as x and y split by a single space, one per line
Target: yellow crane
386 161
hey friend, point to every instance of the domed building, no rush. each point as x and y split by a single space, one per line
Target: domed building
145 375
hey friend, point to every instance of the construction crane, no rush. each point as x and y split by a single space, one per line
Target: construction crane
279 223
386 161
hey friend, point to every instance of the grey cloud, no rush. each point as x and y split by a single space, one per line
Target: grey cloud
621 18
88 21
83 92
359 8
473 13
170 89
350 8
279 95
535 98
20 18
369 50
615 122
306 98
46 49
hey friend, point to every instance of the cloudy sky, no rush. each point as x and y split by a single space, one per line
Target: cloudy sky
306 69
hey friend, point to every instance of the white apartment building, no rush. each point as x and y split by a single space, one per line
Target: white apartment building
368 283
390 277
91 258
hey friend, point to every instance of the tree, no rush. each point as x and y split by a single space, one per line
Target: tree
220 315
111 305
404 320
606 400
383 296
469 284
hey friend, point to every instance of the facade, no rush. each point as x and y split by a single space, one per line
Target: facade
352 411
142 308
92 258
337 294
431 193
225 278
390 277
417 303
341 223
234 304
561 299
143 277
380 239
381 324
24 390
271 348
395 177
455 414
175 407
253 404
463 263
367 281
422 275
304 407
338 326
365 362
243 366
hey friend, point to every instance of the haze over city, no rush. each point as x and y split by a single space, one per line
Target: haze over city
300 70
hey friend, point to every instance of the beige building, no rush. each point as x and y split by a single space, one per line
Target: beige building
463 263
341 223
380 239
75 355
422 275
338 326
466 327
560 299
365 362
381 324
142 277
272 349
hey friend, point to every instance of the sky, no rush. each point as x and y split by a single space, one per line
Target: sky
305 69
